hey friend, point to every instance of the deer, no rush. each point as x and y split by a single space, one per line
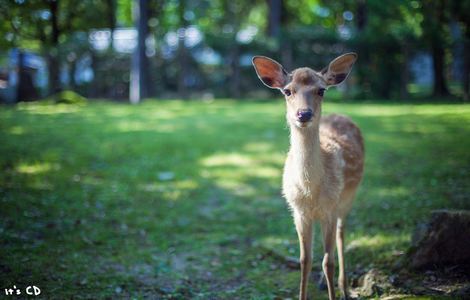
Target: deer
324 164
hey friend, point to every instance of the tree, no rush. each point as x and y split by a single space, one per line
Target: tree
461 12
383 33
45 25
138 78
222 22
182 52
436 35
274 18
111 19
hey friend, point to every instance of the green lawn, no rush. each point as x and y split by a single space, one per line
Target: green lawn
177 200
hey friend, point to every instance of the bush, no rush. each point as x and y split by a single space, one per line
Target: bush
69 97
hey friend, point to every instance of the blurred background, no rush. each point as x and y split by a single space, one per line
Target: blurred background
130 50
177 198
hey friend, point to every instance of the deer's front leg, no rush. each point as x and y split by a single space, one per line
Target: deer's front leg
304 231
328 227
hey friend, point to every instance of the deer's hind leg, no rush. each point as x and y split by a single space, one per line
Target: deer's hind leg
328 227
347 200
342 279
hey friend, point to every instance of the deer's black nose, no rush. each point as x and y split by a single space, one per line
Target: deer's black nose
304 115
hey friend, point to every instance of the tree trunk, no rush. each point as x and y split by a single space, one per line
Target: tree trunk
19 73
364 69
182 55
274 18
286 53
25 90
440 84
138 80
405 74
72 68
93 90
235 70
466 67
54 69
183 64
361 19
53 61
438 50
285 41
111 19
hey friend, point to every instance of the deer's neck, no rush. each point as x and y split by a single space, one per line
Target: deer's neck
306 153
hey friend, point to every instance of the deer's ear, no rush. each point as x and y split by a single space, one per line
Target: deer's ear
339 69
270 72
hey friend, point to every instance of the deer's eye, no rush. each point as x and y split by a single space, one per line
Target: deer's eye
286 92
321 92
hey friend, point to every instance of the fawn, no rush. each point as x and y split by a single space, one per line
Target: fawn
325 162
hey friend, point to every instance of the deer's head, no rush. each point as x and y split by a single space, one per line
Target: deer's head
303 88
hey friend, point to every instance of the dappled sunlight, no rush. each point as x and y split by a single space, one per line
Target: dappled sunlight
237 172
235 187
133 126
267 172
151 187
116 111
376 242
49 109
89 180
230 180
397 191
261 147
278 244
393 110
252 160
150 113
36 168
170 190
129 126
16 130
230 159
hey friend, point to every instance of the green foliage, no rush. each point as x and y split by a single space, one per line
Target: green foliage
124 13
28 23
174 199
312 32
69 97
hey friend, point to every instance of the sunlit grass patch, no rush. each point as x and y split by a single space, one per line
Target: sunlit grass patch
36 168
49 109
231 159
17 130
382 245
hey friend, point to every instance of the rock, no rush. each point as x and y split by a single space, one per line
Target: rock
373 283
444 240
368 285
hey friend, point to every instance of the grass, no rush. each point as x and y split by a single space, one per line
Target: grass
176 200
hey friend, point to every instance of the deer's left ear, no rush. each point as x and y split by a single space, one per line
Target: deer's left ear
339 69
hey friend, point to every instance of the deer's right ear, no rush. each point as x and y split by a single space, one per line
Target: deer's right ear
270 72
